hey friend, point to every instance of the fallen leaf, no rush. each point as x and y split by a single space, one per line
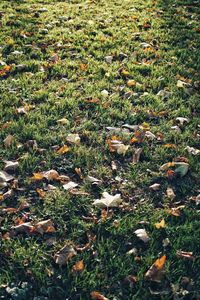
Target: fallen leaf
97 296
192 150
73 138
63 121
182 120
93 180
156 271
41 192
64 255
183 254
5 177
170 194
11 165
142 235
161 224
78 267
44 227
108 200
64 149
8 140
131 83
136 155
70 185
181 168
155 186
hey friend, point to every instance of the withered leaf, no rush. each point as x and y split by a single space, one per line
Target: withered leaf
97 296
64 255
156 271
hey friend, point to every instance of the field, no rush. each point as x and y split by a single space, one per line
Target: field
99 100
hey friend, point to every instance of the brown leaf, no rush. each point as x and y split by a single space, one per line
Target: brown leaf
8 140
41 192
136 155
97 296
184 254
156 271
64 255
44 227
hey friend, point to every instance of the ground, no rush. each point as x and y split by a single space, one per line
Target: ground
110 90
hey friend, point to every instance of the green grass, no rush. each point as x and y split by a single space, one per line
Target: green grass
82 34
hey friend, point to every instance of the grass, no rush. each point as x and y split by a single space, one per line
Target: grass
82 34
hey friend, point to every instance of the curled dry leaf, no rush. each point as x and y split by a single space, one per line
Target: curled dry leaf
93 180
184 254
41 192
192 150
155 187
108 200
5 177
73 138
136 155
97 296
170 194
142 235
182 120
8 140
11 165
156 271
196 199
115 145
64 255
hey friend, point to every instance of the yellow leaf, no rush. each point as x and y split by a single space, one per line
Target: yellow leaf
41 193
161 224
37 176
131 83
64 149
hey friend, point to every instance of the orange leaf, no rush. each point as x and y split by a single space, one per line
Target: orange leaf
156 271
78 267
97 296
37 176
41 192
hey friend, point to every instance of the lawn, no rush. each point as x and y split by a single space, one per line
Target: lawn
99 156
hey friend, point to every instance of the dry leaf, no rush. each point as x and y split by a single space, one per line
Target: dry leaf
156 271
182 120
97 296
93 180
64 255
170 194
78 267
183 254
155 186
8 140
73 138
192 150
161 224
5 177
44 227
70 185
41 192
11 165
136 155
108 200
64 149
63 121
142 235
